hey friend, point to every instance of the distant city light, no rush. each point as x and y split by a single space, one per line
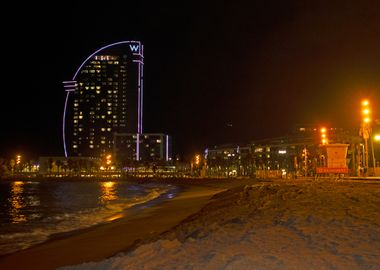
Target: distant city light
377 137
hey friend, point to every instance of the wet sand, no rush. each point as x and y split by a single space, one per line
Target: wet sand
103 241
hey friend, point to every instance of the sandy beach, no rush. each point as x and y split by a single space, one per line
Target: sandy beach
241 224
100 242
275 225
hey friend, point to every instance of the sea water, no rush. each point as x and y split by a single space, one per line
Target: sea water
31 212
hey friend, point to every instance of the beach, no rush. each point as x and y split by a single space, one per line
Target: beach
242 224
100 242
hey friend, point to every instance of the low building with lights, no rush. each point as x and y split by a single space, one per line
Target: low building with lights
228 161
67 166
153 148
297 154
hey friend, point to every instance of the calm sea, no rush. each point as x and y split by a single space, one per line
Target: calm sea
30 212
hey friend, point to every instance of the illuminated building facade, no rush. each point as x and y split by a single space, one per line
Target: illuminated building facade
153 147
105 96
297 154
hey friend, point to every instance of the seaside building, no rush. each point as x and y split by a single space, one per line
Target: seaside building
229 160
105 96
103 114
153 148
297 154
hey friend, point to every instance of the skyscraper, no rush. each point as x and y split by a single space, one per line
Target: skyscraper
105 96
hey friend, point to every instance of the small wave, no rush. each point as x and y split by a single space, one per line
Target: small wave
66 222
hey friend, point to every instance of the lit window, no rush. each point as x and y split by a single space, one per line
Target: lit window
103 116
103 129
80 116
109 112
91 146
108 129
75 146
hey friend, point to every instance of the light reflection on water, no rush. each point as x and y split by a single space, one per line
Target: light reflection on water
32 211
17 202
108 191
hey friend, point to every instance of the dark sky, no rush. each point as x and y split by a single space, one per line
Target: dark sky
261 67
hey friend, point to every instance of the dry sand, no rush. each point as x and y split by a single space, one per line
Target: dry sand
291 225
100 242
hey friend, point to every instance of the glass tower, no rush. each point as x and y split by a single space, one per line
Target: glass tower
103 98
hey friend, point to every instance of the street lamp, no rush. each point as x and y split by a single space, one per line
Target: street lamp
18 159
376 138
324 139
365 131
197 159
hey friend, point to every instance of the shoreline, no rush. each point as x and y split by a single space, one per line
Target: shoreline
272 225
105 240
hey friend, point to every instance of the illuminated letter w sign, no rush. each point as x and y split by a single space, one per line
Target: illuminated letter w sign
134 48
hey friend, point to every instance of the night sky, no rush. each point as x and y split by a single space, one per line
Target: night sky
214 73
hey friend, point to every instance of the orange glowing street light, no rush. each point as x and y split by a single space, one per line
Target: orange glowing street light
197 159
366 111
365 131
324 135
18 159
367 120
377 137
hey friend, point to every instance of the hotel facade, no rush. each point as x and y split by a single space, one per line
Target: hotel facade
104 98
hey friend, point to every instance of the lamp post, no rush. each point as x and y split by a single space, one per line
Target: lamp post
365 132
375 138
18 163
324 139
